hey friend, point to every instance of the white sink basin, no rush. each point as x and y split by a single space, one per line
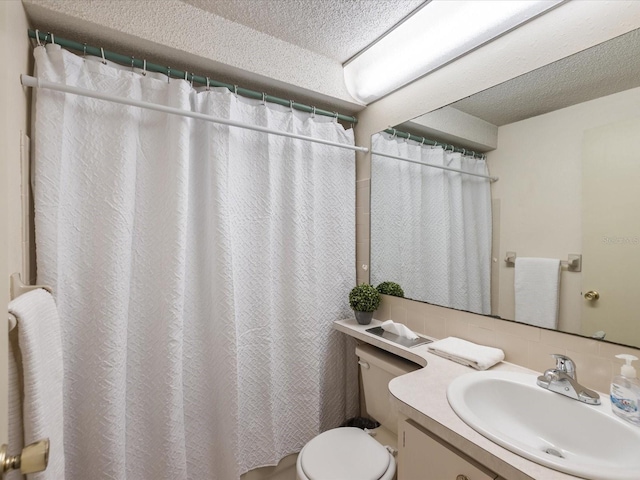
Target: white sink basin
588 441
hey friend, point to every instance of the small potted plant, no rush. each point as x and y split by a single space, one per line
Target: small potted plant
364 300
390 288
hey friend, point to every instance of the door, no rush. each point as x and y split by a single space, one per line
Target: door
611 231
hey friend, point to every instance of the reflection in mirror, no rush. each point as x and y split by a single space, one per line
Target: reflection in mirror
564 141
431 227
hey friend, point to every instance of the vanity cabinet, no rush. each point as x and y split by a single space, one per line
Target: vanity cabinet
422 456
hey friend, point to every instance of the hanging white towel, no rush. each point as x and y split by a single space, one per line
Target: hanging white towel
16 435
537 288
470 354
41 352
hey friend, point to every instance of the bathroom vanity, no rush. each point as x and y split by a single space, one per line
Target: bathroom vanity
433 442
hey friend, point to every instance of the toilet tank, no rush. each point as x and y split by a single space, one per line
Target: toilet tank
377 369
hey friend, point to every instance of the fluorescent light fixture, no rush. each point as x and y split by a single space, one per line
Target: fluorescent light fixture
439 32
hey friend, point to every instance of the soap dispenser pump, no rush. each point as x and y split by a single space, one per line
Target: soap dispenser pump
625 391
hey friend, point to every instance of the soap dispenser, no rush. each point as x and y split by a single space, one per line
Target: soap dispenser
625 391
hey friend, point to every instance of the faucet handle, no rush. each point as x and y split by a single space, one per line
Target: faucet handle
565 364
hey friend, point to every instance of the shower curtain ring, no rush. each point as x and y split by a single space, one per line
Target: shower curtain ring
38 37
84 50
291 105
132 62
207 83
335 116
394 133
464 152
422 142
264 99
313 112
185 75
53 39
168 74
104 61
144 68
46 37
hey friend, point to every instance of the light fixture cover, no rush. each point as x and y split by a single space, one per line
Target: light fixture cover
439 32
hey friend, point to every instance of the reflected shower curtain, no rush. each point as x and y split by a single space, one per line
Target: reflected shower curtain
197 269
430 228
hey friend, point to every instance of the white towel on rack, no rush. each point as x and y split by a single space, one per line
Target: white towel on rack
16 435
470 354
537 291
40 347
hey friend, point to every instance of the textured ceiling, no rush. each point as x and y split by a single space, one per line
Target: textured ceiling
295 48
608 68
187 37
337 29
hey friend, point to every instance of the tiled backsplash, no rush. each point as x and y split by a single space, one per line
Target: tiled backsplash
523 345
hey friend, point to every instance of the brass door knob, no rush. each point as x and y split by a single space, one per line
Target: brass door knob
34 458
592 295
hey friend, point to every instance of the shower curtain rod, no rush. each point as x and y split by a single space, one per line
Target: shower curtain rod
29 81
433 143
441 167
170 72
423 140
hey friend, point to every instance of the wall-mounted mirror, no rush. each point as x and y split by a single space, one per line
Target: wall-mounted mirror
564 141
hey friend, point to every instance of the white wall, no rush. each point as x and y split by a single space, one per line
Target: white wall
15 59
451 125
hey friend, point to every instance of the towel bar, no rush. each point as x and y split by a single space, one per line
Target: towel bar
573 264
17 289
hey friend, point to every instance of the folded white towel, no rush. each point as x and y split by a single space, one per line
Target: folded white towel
40 347
467 353
537 291
398 329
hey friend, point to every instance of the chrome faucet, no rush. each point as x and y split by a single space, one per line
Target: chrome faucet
564 380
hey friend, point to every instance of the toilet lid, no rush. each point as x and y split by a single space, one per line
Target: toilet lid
344 454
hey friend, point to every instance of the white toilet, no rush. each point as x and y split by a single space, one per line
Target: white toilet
349 453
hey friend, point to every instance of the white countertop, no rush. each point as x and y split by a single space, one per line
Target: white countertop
422 397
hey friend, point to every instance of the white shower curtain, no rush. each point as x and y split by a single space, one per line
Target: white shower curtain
430 228
197 269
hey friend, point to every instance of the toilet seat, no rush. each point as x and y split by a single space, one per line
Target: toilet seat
345 453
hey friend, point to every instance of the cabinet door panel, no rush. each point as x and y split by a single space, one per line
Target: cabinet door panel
423 457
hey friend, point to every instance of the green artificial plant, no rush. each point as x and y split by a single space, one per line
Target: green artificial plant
390 288
364 298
